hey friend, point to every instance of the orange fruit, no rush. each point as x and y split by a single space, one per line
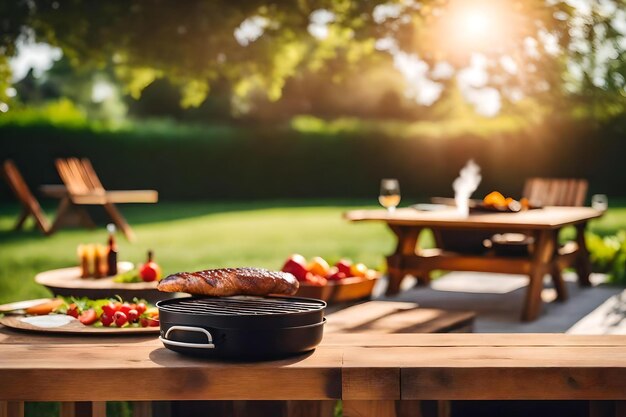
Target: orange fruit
319 266
494 199
358 270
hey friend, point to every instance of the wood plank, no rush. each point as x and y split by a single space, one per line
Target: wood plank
357 366
114 196
187 384
64 369
587 357
132 196
457 262
514 383
382 317
530 340
8 337
371 383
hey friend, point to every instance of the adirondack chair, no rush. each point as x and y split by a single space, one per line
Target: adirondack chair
30 205
83 187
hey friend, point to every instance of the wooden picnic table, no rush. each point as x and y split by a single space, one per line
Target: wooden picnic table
543 224
374 376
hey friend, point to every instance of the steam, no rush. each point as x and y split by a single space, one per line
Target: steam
465 185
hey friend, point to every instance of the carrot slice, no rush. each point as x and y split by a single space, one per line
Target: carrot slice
45 308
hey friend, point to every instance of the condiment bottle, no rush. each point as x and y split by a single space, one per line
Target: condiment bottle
90 254
100 261
84 261
112 251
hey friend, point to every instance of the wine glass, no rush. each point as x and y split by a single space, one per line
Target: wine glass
389 196
599 202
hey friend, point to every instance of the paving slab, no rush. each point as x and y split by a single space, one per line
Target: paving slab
498 298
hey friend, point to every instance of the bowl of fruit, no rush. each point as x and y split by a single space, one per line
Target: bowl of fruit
344 281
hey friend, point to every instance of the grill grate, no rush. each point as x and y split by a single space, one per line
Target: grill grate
242 306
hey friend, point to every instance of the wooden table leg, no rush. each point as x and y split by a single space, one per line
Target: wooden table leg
607 408
21 219
11 409
407 242
369 408
541 263
557 276
142 408
311 408
84 409
120 221
583 263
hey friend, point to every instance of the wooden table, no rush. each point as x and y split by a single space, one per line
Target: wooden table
375 376
543 224
67 282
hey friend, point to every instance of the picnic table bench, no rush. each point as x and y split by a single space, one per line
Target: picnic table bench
374 376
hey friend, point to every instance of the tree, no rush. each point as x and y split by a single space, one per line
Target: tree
257 45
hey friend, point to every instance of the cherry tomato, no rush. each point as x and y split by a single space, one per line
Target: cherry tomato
141 308
72 310
125 308
149 322
133 315
110 309
106 320
88 317
120 318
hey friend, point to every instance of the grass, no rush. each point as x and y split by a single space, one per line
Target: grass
191 236
198 235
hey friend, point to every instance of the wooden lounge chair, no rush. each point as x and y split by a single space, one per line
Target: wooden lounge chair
83 187
30 205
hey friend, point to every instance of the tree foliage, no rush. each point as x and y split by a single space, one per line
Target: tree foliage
551 45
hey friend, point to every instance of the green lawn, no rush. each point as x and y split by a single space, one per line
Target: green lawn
191 236
198 235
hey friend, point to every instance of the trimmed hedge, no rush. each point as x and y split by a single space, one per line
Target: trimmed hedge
273 162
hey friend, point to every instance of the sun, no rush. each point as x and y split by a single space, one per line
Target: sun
477 24
464 27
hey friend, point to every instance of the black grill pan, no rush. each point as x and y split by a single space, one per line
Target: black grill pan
241 327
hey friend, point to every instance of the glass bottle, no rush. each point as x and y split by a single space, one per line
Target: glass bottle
111 251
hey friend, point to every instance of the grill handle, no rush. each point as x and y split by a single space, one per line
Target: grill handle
208 345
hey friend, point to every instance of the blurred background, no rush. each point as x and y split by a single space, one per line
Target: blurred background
301 99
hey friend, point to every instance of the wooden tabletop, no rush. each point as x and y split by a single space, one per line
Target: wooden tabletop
545 218
348 366
67 282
